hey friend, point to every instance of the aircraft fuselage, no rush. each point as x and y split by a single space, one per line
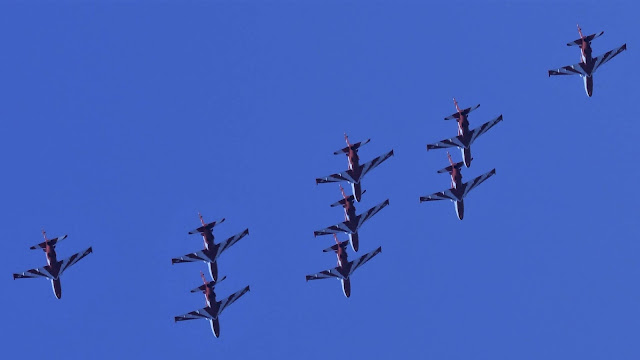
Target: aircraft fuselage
208 238
344 266
587 65
210 247
463 131
212 306
54 266
356 170
457 189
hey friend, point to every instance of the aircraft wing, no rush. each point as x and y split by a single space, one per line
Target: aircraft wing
193 257
483 128
374 163
369 213
447 143
326 274
575 69
193 315
231 299
602 59
230 241
363 259
477 181
35 273
440 195
343 176
73 259
334 229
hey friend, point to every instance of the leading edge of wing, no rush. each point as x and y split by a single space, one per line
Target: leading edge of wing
440 195
337 177
575 69
325 274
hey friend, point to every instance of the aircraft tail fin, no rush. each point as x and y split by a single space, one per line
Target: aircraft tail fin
52 242
449 168
334 247
343 201
464 112
355 146
210 285
206 227
588 38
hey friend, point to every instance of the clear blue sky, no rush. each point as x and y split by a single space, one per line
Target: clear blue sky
121 121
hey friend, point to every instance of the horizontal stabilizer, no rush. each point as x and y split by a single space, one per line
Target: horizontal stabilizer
334 247
355 146
206 227
343 201
449 168
52 242
210 285
586 38
464 112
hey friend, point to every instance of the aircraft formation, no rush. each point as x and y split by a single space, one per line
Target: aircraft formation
465 138
353 222
210 255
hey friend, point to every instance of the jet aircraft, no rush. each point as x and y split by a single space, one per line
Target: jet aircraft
352 221
465 136
459 190
54 268
588 64
356 172
345 267
214 307
211 250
